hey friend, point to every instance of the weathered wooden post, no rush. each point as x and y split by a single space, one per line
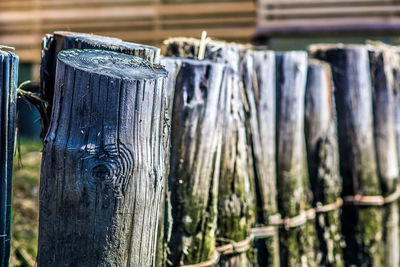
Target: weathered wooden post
8 90
165 218
323 161
236 202
361 219
396 97
395 62
259 82
195 155
236 214
103 162
54 43
382 61
298 236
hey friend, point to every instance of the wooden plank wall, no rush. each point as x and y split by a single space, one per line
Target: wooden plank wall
24 22
283 17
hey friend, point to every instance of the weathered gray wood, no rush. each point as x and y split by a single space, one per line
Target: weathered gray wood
195 154
396 100
218 51
165 218
8 94
296 244
236 201
323 160
361 225
382 59
259 81
103 162
53 44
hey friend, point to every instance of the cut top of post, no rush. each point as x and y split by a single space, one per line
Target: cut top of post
217 51
111 43
111 64
86 36
314 48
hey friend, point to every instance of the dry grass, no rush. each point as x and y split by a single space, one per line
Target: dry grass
25 204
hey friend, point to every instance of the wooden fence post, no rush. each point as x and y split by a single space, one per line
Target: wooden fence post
53 44
8 95
361 225
103 162
260 90
165 219
323 161
396 99
236 201
195 155
296 239
382 59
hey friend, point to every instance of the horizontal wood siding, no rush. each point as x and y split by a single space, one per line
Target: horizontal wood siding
24 22
279 17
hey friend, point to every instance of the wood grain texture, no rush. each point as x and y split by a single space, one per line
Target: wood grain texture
259 83
351 75
236 200
53 44
195 155
297 244
219 51
103 162
383 60
8 117
396 100
165 219
323 160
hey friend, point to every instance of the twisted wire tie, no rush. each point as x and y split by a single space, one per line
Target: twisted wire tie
378 201
267 231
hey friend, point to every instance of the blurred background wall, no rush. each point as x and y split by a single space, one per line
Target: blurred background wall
279 24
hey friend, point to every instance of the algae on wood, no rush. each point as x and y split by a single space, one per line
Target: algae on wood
361 226
195 154
103 162
296 244
396 100
259 83
235 196
165 218
8 118
323 160
382 59
236 214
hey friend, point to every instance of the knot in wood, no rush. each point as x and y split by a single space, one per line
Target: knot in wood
101 172
109 171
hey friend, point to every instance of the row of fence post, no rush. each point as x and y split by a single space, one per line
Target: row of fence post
243 157
328 165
